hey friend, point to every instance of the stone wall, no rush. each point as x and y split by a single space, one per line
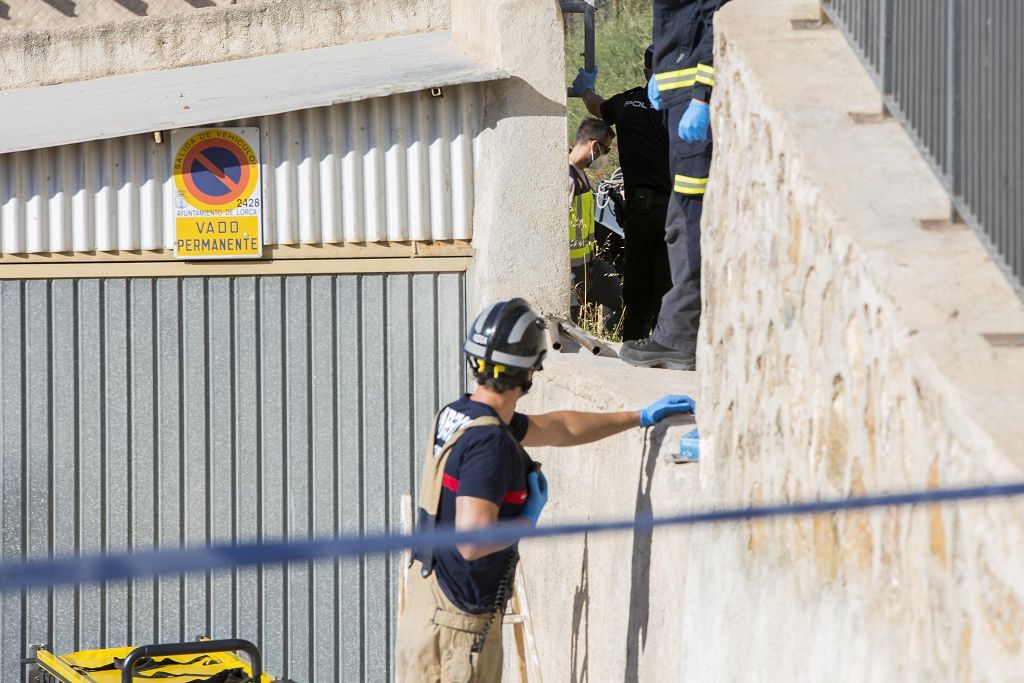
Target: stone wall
843 352
63 53
849 345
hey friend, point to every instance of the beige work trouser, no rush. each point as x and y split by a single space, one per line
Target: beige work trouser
435 638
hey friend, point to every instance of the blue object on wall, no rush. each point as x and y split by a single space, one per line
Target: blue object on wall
689 447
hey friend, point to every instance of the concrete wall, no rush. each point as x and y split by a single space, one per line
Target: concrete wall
608 607
22 15
255 27
846 348
520 241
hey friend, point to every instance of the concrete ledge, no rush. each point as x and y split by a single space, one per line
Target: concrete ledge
216 34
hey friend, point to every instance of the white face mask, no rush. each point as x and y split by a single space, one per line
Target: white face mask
599 162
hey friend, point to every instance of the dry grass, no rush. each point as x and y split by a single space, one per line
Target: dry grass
591 321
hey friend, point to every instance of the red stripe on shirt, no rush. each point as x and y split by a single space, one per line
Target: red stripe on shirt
452 484
515 497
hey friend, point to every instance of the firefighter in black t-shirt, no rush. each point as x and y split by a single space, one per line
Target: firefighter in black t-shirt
643 154
477 473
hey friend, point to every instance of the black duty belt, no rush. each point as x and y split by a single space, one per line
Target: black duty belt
644 198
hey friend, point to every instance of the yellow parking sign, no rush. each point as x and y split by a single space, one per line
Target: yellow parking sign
218 199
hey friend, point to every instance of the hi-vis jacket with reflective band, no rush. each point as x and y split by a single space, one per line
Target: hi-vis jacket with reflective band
434 479
684 184
683 50
582 242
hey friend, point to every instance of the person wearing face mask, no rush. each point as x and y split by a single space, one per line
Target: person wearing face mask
594 280
643 153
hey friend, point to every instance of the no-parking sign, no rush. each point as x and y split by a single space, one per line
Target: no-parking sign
218 195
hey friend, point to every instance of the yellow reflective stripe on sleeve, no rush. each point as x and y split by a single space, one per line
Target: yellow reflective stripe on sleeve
705 74
667 75
678 84
687 185
670 80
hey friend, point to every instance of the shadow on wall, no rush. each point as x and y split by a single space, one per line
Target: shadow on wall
65 7
518 98
640 573
640 578
138 7
581 617
5 10
134 6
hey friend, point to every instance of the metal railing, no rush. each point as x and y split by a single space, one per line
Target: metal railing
587 10
952 72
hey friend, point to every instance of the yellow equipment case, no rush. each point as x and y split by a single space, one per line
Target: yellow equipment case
201 661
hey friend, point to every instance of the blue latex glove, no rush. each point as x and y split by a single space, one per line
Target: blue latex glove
693 127
537 498
666 405
585 80
653 94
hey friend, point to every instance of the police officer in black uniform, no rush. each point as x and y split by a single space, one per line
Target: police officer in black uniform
684 76
643 154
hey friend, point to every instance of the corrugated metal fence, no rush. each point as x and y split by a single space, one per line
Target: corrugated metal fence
386 169
953 72
158 412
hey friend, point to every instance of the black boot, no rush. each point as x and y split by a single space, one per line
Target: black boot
647 353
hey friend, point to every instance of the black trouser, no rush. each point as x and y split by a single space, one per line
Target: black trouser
679 317
597 283
646 276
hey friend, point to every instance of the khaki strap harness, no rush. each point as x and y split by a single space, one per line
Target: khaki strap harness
433 476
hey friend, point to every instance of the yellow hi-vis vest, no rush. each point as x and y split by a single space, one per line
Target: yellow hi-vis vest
581 222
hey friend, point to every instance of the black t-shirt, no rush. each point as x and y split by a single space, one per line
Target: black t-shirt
487 463
642 136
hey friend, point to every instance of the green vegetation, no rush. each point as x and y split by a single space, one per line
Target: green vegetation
623 32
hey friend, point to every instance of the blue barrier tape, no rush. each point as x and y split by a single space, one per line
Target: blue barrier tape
67 570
